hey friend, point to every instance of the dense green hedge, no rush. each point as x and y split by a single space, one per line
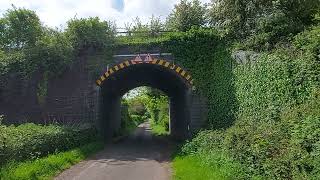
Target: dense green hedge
275 134
30 141
50 166
277 128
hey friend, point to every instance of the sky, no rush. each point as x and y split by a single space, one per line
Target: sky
55 13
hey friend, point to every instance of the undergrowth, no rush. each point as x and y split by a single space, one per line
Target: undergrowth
31 141
47 167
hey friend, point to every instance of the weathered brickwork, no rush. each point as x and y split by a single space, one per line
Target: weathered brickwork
74 96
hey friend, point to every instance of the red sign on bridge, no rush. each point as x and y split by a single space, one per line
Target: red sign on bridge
138 59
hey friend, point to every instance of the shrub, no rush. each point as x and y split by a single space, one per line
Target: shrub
206 151
30 141
157 105
90 33
207 140
50 166
137 119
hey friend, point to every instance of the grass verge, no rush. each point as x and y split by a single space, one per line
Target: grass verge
158 130
196 167
48 167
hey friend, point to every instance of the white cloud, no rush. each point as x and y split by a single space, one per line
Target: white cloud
56 13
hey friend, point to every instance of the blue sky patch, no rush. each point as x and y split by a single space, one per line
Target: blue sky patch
118 4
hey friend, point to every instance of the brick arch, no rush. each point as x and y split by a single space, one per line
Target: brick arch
157 62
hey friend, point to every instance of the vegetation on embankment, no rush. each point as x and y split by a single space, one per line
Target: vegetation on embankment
263 111
272 104
31 151
31 141
211 166
50 166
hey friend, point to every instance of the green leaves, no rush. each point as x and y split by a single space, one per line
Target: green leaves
19 28
261 24
205 56
271 103
53 53
30 141
90 33
309 40
26 46
186 15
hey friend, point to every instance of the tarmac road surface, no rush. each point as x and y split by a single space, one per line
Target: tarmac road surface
141 156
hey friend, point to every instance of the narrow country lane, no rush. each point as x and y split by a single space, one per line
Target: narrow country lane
139 157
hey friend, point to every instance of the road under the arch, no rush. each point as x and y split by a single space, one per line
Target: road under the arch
173 84
140 156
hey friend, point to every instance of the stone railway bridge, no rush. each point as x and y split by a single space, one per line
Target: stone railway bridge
75 97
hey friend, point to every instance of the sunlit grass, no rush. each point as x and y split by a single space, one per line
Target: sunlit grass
195 167
158 130
48 167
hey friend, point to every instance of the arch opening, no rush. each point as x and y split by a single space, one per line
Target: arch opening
147 108
171 79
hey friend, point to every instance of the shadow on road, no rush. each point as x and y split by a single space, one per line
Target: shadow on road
139 146
139 156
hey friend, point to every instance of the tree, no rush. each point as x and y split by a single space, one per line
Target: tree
138 28
187 14
52 53
90 33
155 25
19 28
262 22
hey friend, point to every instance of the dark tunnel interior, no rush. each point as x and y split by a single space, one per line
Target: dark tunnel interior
120 82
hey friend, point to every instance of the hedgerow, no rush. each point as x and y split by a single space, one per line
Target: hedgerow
50 166
30 141
275 134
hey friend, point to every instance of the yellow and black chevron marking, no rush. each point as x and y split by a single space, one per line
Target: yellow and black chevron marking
180 71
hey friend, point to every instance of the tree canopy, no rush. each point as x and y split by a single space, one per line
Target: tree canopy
19 28
185 15
27 46
262 22
90 32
